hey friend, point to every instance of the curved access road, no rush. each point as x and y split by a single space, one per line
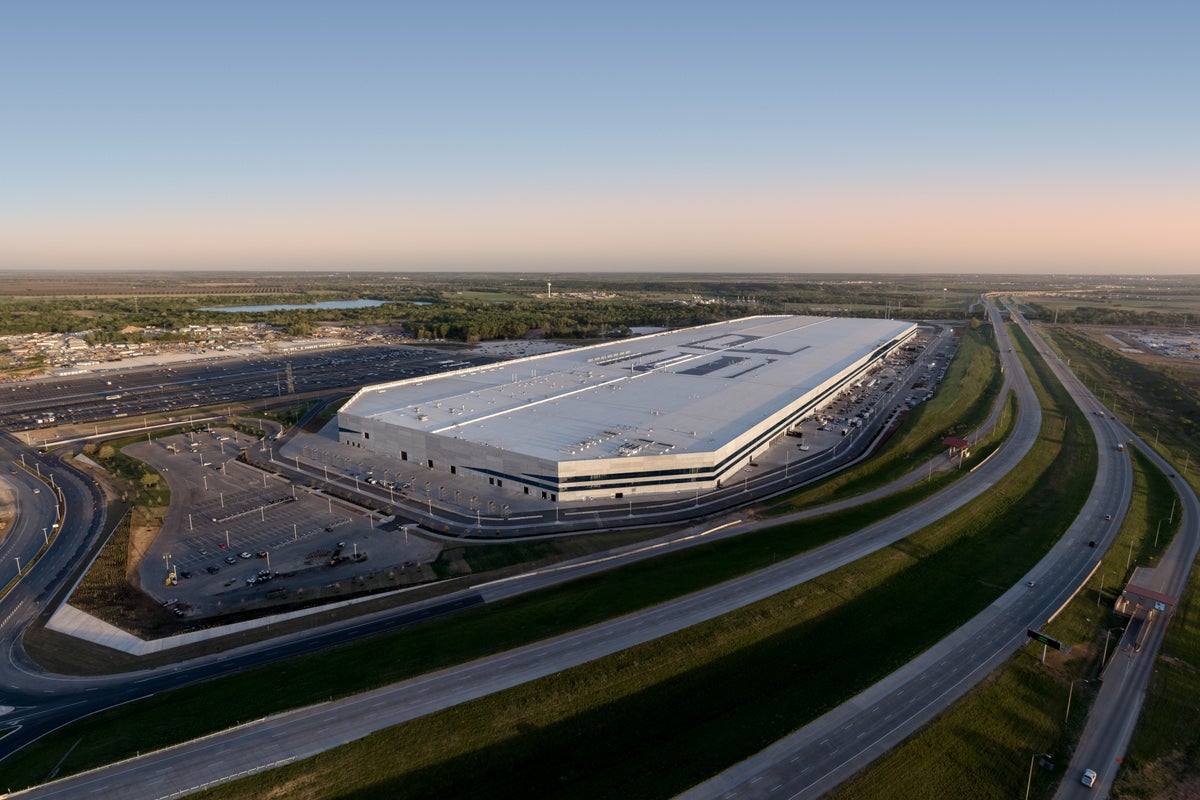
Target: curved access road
306 732
826 752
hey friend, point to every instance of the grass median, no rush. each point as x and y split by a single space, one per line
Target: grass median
652 720
190 712
998 739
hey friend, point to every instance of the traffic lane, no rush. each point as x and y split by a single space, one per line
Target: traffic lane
83 522
1061 566
836 746
1110 722
34 507
619 634
57 700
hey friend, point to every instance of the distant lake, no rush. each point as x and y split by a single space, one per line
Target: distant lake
292 307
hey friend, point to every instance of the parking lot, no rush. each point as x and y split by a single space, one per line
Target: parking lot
235 535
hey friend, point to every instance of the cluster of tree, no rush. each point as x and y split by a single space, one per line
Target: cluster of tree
459 308
1091 315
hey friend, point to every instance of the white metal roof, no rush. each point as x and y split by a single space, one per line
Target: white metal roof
689 390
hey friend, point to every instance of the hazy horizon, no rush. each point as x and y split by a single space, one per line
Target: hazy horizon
769 138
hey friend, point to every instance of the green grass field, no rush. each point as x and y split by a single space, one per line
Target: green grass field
421 649
988 740
713 694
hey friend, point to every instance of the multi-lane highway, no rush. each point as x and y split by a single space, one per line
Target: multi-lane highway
971 651
457 684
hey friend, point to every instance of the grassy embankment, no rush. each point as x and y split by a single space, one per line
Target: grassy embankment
719 691
1161 402
106 591
987 740
469 636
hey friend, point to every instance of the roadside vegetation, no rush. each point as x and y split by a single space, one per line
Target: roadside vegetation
109 589
1163 760
1158 399
1017 718
902 587
602 729
461 307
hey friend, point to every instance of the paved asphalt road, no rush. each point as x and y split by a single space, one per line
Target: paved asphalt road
308 731
821 755
1111 722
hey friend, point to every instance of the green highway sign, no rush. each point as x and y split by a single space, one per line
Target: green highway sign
1038 636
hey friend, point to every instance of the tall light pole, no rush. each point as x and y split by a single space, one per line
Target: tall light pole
1029 782
1070 692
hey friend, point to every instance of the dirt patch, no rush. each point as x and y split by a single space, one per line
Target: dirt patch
145 527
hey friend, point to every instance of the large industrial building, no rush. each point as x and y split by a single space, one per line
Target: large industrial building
676 411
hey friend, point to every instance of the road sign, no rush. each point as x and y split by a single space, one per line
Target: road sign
1038 636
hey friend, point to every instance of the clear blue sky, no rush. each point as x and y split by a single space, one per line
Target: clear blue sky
272 115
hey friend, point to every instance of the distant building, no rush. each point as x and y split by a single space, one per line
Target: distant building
675 411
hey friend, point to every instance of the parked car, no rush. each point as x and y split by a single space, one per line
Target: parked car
230 560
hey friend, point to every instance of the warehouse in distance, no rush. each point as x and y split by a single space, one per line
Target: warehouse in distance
675 411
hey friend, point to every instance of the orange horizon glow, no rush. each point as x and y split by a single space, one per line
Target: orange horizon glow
997 228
